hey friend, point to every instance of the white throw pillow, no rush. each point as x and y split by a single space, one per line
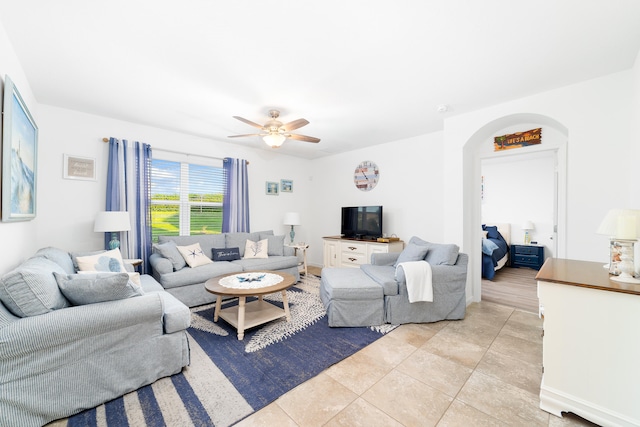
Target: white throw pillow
259 249
193 255
107 261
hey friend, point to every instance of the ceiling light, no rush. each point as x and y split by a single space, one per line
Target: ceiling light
442 108
274 140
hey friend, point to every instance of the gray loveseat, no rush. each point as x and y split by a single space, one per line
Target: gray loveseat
57 358
169 268
376 293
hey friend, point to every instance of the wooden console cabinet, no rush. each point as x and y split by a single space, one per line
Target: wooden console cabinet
591 343
340 252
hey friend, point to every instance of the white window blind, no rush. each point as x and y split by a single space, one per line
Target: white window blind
186 198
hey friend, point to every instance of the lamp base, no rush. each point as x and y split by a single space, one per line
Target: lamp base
292 234
114 243
625 279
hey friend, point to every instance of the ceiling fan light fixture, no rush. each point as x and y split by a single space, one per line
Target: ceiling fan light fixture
274 140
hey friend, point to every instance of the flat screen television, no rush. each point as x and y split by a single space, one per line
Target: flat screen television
361 222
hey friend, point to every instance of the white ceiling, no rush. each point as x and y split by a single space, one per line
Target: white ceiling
363 72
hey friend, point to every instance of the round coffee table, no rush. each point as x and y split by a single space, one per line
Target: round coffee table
241 285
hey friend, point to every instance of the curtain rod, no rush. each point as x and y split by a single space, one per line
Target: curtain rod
180 152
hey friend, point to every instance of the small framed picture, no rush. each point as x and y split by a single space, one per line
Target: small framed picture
271 188
82 168
286 186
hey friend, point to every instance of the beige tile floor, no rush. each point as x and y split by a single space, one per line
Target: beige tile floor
484 370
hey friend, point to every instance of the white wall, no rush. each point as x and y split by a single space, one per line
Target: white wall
634 196
18 238
409 189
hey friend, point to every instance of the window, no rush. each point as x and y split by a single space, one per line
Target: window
186 198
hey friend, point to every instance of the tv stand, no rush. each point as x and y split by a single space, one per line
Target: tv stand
339 251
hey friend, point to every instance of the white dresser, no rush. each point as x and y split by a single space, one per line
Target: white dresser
591 343
340 252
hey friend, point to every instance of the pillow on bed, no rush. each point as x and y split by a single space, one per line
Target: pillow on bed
492 232
488 246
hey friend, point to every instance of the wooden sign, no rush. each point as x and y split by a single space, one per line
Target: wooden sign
518 139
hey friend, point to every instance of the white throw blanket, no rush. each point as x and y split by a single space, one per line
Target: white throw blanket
419 280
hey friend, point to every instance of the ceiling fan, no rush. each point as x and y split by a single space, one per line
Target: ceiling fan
274 132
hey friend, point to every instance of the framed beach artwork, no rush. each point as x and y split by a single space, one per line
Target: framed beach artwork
286 186
19 157
271 188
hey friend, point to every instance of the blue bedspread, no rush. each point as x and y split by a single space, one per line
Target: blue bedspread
492 251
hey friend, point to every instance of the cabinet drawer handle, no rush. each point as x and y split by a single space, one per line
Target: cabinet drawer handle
352 259
352 248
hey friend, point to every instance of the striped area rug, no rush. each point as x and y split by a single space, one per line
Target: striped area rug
229 379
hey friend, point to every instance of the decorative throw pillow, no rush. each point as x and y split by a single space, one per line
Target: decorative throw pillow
134 277
442 254
31 289
226 254
412 252
193 255
259 249
492 231
60 257
276 245
107 261
83 289
170 251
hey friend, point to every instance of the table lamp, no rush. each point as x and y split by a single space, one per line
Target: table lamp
622 226
292 219
112 222
527 226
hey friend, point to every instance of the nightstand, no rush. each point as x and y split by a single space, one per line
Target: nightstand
531 256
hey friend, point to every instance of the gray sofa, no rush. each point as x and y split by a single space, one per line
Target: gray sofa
187 284
58 358
376 293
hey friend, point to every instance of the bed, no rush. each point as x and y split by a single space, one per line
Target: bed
495 248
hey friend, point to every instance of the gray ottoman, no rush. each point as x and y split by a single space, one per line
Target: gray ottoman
351 297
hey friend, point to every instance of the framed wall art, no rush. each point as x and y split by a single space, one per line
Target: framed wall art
271 188
19 157
286 186
76 167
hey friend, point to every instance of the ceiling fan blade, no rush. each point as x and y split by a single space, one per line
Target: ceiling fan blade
303 137
249 122
246 134
296 124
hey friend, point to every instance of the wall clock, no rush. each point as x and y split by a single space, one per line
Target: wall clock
366 175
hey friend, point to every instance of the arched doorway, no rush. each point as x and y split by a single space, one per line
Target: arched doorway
475 149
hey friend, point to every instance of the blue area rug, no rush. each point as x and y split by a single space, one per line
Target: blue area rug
229 379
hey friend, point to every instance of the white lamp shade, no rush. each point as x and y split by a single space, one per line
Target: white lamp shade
527 225
291 218
111 221
621 224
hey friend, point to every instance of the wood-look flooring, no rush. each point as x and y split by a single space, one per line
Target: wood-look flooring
513 287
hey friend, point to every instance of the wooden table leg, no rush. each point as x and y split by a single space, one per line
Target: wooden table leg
216 312
241 307
285 303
